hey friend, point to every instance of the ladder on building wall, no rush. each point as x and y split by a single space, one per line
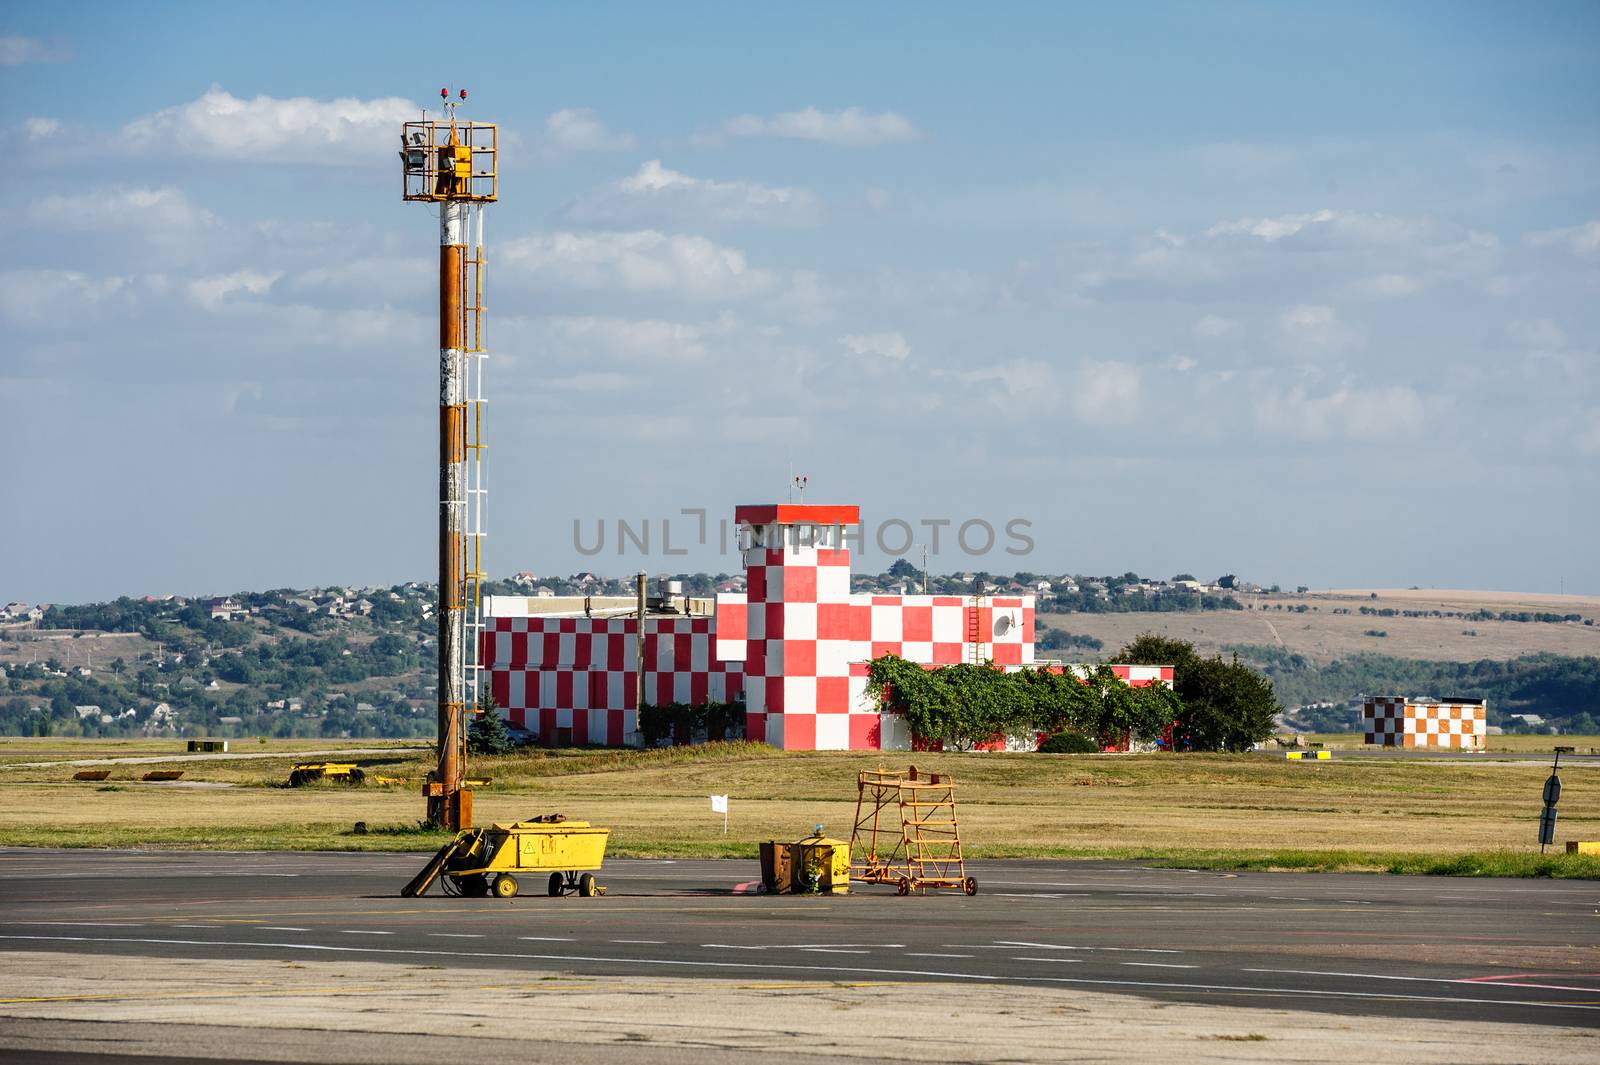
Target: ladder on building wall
976 653
924 849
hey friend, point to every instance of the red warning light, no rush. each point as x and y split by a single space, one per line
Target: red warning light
444 94
463 94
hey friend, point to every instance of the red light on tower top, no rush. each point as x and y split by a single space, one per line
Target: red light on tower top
444 94
463 94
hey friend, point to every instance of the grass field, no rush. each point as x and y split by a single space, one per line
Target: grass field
1203 810
1323 636
1518 743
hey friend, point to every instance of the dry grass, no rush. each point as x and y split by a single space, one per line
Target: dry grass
1355 741
1324 636
1214 809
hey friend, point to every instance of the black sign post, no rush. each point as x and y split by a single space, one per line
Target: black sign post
1552 795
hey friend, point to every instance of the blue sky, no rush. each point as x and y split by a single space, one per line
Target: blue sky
1304 292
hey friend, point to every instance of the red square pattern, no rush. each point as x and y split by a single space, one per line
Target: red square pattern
799 584
799 732
865 732
800 658
916 624
833 695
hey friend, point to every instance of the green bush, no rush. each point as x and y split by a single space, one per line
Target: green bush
961 706
1069 743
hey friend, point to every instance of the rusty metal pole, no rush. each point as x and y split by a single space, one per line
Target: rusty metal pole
444 809
638 674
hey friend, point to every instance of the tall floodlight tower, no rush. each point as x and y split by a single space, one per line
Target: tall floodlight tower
451 163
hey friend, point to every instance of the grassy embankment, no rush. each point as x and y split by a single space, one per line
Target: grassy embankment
1216 811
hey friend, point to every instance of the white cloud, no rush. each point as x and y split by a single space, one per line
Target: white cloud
644 261
852 127
38 129
1540 333
1347 229
1579 240
891 346
1359 414
650 338
577 129
1313 328
119 208
215 291
1213 325
16 51
1270 229
655 194
1306 318
293 132
1387 286
58 297
1105 391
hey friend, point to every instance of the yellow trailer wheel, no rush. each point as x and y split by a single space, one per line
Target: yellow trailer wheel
586 885
505 886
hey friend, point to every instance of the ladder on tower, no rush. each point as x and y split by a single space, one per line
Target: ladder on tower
475 354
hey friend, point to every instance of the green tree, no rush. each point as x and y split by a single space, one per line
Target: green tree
1226 705
903 570
488 733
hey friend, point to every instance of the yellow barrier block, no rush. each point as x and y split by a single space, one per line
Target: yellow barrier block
1299 756
1586 846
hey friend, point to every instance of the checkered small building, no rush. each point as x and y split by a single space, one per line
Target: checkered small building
795 646
1443 724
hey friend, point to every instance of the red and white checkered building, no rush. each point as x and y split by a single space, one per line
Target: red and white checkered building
1447 724
796 645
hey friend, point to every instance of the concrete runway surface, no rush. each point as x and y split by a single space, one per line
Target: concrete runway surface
1367 956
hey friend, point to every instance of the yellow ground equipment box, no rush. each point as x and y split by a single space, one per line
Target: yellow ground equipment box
814 864
311 772
1583 846
495 859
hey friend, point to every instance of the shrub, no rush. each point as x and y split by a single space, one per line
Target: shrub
1069 743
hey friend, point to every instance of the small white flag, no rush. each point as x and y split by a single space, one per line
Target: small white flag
719 804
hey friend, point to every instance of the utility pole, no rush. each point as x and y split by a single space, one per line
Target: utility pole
925 570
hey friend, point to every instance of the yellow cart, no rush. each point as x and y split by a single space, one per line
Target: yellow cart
495 859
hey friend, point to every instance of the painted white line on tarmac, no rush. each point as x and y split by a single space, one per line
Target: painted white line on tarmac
1056 961
195 926
1357 976
363 932
1306 992
547 939
83 924
456 935
925 954
833 950
1158 965
647 942
1039 894
1009 943
282 928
